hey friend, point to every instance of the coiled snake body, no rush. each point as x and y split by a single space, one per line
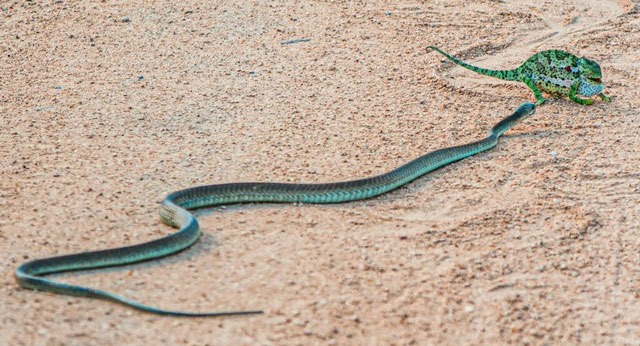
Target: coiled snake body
174 212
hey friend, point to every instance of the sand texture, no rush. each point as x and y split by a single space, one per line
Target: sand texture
105 108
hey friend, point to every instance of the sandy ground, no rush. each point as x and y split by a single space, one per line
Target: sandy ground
105 108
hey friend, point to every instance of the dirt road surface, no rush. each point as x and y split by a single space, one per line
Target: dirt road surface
105 108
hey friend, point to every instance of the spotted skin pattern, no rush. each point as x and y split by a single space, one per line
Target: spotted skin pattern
553 71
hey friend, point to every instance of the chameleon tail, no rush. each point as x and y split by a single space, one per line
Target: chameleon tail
502 74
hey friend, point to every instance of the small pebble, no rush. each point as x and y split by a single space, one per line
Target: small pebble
58 87
125 19
468 308
140 77
387 12
554 154
252 72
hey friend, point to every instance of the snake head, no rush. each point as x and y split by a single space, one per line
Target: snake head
590 70
528 107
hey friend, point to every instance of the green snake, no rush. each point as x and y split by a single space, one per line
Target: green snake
175 212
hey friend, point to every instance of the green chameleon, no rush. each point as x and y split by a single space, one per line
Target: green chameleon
553 71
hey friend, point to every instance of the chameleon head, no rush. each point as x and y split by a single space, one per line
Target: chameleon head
591 77
589 68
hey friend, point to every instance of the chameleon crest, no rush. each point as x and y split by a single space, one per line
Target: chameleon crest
553 71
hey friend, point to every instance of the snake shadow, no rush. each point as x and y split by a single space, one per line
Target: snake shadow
205 243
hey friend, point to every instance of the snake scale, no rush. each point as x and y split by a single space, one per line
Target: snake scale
175 212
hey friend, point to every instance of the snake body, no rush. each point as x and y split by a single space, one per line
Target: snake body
175 212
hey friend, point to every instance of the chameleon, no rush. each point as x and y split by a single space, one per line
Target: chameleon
553 71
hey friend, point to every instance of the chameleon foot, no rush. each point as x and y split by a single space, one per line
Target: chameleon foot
582 101
542 100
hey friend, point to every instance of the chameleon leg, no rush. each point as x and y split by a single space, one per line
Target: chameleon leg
604 97
574 90
541 99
